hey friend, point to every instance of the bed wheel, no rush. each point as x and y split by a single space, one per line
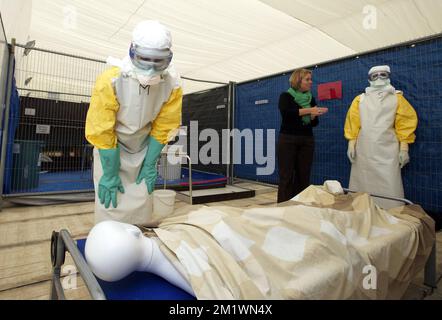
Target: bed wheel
54 239
57 250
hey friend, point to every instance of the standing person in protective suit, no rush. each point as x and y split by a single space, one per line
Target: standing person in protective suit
380 125
135 106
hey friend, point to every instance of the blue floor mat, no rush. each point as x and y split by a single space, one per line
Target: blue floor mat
82 181
139 286
62 181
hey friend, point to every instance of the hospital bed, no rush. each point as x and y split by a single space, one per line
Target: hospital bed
144 285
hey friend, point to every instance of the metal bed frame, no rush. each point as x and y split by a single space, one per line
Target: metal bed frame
62 242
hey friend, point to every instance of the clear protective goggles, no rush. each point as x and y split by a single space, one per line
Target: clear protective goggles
383 75
147 59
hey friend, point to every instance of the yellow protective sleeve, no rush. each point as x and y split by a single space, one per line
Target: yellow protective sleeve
406 120
353 120
102 113
169 117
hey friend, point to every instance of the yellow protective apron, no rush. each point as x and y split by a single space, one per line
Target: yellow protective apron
139 106
376 168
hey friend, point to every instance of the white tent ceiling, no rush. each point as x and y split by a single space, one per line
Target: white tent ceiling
235 40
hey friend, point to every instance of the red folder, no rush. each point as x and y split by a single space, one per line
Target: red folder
330 90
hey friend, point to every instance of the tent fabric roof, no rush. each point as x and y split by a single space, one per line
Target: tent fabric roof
235 40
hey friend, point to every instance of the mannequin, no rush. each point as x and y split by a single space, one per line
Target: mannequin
114 250
379 127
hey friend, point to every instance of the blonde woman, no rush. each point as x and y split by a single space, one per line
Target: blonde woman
296 143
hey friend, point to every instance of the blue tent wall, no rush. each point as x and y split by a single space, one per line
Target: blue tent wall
416 70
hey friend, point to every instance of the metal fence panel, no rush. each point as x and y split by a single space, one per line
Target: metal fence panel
207 112
50 153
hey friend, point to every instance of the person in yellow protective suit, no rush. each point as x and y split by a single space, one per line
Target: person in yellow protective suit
135 106
379 126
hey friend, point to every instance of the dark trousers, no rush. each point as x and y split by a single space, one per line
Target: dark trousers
295 158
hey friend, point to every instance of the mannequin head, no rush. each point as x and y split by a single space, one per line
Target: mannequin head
114 250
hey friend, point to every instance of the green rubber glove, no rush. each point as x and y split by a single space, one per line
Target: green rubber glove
148 170
110 182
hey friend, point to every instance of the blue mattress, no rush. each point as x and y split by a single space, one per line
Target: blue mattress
139 286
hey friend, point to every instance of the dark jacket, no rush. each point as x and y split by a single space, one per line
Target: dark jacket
291 120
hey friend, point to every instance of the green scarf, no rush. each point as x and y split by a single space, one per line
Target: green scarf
303 99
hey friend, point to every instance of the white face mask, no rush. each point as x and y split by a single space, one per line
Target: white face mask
147 76
148 80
